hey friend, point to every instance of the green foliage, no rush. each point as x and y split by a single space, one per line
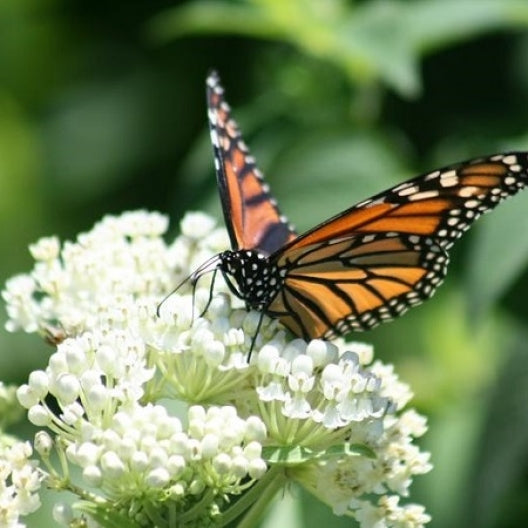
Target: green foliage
287 455
337 100
371 41
494 261
498 469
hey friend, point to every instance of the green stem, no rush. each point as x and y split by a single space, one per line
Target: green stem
197 509
257 499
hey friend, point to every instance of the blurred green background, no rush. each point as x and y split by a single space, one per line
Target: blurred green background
102 110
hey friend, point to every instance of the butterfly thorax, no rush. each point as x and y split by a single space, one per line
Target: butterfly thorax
257 279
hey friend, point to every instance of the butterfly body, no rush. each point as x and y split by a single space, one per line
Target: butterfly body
257 279
366 265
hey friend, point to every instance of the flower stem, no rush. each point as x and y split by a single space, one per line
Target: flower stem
257 499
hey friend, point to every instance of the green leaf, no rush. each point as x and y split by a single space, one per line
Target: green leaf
204 17
433 24
295 455
371 41
375 35
348 449
498 255
500 463
288 455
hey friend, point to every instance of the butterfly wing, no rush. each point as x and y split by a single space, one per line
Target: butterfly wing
375 260
251 214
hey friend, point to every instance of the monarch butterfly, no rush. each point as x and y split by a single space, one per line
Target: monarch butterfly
364 266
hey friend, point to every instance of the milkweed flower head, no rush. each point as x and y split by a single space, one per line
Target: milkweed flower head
158 410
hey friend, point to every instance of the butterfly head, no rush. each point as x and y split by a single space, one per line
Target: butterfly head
256 279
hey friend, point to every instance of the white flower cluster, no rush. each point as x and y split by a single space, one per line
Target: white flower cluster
19 484
121 353
144 449
90 376
388 474
121 260
121 444
318 383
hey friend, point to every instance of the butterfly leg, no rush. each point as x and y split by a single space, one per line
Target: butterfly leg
255 335
211 289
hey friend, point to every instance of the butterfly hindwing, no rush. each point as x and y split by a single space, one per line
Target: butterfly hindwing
251 213
353 284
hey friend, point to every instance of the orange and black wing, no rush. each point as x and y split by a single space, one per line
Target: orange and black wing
251 214
375 260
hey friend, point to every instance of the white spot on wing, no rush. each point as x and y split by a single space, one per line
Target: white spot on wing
423 195
449 179
510 160
214 138
408 190
432 176
468 191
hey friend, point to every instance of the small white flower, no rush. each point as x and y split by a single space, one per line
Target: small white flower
387 513
257 468
301 378
111 465
321 352
38 383
92 475
38 415
175 465
43 443
67 388
20 483
63 513
28 397
139 461
72 413
222 464
196 225
158 455
209 445
157 478
45 249
255 430
22 309
335 383
240 466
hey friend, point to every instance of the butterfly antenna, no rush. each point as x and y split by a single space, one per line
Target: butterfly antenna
208 266
162 302
255 335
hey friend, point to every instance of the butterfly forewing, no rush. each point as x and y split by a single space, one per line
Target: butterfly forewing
440 204
251 214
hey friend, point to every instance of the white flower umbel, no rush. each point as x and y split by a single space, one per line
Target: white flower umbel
130 351
20 482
